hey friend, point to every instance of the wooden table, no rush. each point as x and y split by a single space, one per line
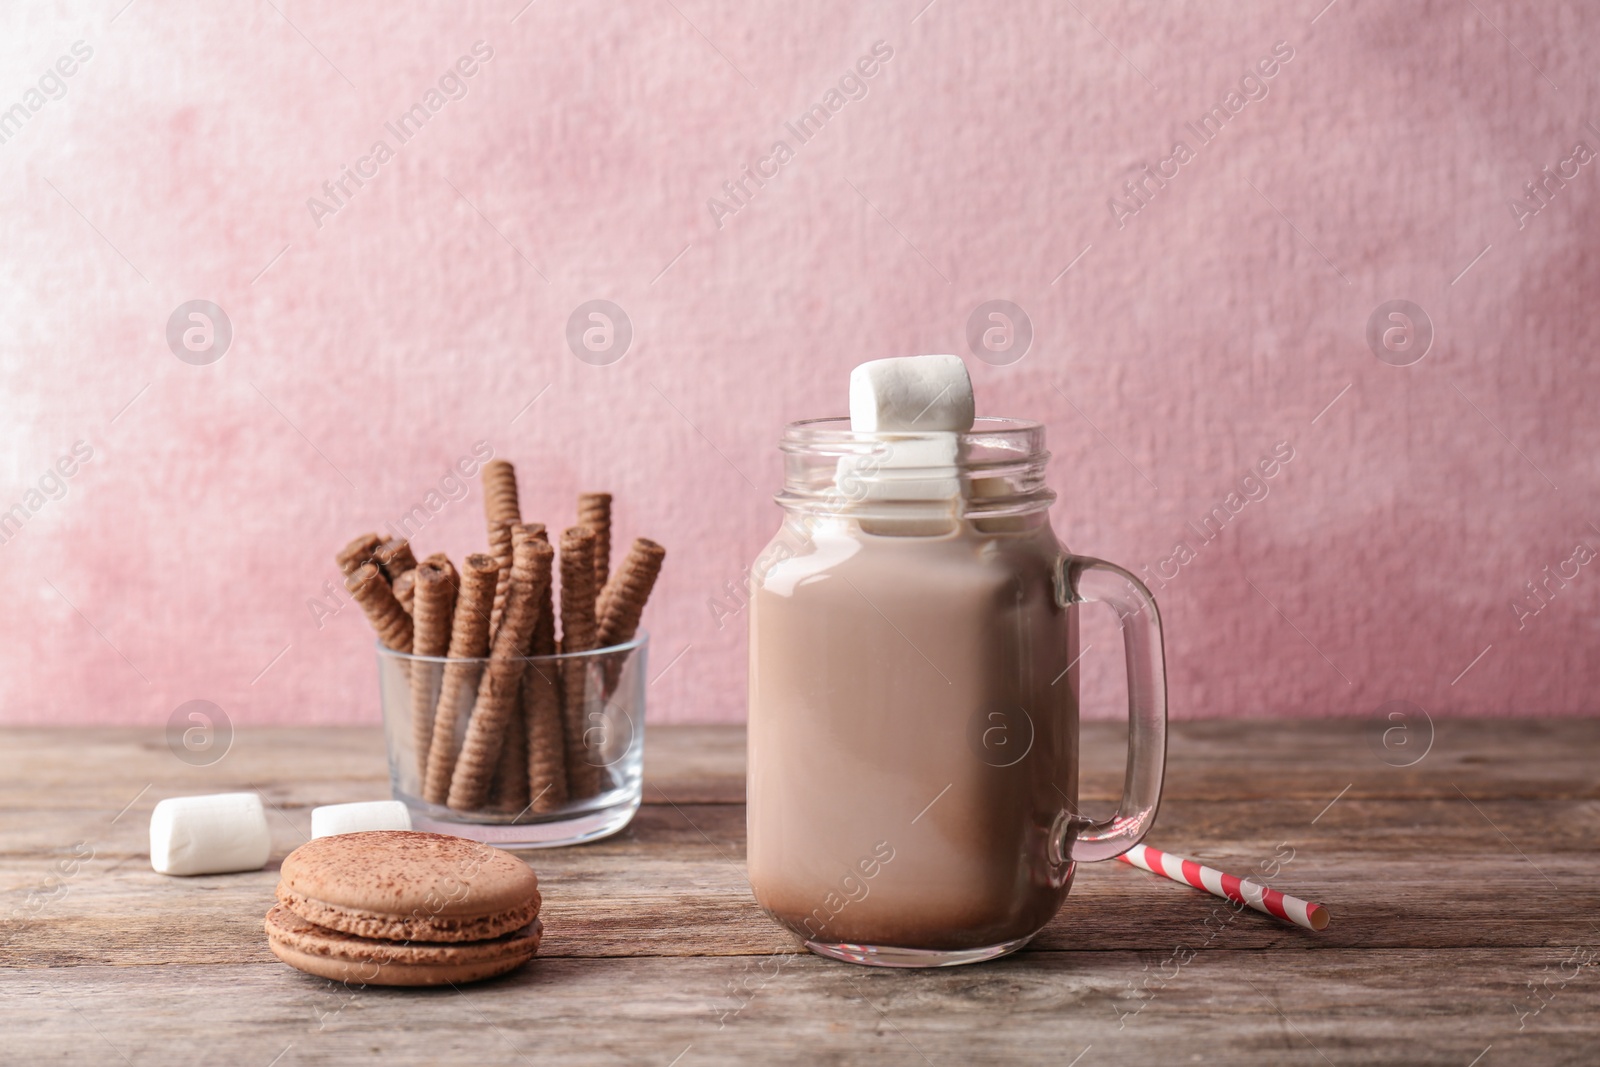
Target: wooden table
1465 891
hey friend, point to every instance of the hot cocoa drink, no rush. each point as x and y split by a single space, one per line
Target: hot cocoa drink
913 765
914 738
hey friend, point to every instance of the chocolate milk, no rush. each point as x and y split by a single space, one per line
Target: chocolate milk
912 726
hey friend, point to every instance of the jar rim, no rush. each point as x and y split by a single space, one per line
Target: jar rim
835 429
996 470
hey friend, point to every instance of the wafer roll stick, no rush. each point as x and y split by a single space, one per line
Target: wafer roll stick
630 590
541 706
500 492
360 550
432 619
395 557
469 641
594 511
497 689
405 591
502 511
440 559
543 641
603 600
405 586
578 632
388 618
510 789
606 593
547 736
500 540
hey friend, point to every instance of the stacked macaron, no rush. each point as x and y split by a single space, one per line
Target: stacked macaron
396 907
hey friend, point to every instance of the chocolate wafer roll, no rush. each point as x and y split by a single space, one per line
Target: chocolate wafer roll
541 695
405 587
603 599
510 789
630 590
405 590
500 492
497 689
607 591
358 551
544 630
433 618
395 557
594 511
578 631
500 548
388 618
547 736
469 641
541 706
502 536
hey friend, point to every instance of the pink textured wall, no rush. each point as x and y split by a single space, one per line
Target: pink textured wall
1180 333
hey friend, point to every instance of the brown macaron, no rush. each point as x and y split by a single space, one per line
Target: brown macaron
343 957
397 907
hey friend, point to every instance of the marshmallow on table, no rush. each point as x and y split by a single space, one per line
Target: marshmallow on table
911 394
333 819
215 834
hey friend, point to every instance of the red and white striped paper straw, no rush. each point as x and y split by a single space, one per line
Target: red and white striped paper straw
1240 890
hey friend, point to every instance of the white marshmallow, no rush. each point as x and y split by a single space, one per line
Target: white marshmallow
911 394
333 819
929 399
215 834
909 468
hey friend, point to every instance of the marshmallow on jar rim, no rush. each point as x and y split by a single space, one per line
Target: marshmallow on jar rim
331 819
924 467
912 394
215 834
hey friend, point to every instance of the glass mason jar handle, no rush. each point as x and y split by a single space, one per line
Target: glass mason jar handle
1083 580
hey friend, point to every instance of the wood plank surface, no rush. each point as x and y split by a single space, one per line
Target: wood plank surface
1465 891
1345 1006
